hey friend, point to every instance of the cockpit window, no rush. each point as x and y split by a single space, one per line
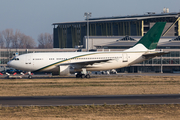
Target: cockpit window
15 59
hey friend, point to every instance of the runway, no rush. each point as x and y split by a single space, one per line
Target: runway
89 100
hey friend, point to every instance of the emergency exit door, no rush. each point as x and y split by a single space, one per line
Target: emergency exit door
125 57
28 59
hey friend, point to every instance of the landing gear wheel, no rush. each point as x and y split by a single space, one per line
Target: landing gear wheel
83 76
30 76
78 76
87 76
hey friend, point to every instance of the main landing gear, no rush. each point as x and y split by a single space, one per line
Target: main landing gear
83 74
80 75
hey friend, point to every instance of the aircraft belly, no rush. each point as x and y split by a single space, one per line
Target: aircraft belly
43 67
104 66
117 63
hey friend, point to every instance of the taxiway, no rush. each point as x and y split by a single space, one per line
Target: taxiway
89 100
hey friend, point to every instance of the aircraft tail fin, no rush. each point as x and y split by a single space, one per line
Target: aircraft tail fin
150 40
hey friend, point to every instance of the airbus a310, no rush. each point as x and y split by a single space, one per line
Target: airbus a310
63 63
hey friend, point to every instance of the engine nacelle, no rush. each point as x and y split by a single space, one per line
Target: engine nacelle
63 70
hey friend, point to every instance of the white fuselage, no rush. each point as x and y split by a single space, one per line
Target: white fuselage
50 61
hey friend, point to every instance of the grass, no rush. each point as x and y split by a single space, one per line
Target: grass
94 86
103 112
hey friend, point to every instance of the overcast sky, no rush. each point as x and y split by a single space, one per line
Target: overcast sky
33 17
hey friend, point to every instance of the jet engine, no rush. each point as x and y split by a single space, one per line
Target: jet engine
63 70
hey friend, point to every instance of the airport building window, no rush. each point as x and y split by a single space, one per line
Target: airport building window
4 61
164 61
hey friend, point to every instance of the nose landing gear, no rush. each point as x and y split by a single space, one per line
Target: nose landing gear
30 75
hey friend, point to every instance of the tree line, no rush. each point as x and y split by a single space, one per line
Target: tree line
15 39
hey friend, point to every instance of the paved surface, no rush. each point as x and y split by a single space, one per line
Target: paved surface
149 74
41 76
89 100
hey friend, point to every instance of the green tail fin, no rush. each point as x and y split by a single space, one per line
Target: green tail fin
151 38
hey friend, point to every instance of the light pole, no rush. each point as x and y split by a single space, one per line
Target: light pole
87 15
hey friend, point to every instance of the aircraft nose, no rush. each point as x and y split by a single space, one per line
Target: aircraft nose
9 63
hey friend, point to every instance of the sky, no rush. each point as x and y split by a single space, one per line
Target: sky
33 17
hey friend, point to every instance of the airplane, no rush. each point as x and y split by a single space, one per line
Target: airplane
63 63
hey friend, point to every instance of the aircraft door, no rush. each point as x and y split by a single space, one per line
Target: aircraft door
28 60
125 57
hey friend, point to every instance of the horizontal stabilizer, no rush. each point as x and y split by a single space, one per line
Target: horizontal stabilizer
151 55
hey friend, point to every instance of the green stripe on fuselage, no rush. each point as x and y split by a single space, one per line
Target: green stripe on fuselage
59 62
63 61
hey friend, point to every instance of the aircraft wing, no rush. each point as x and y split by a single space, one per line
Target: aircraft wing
84 63
151 55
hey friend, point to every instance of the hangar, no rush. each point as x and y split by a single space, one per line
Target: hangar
71 34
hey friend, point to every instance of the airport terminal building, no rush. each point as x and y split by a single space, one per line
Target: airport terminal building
71 34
